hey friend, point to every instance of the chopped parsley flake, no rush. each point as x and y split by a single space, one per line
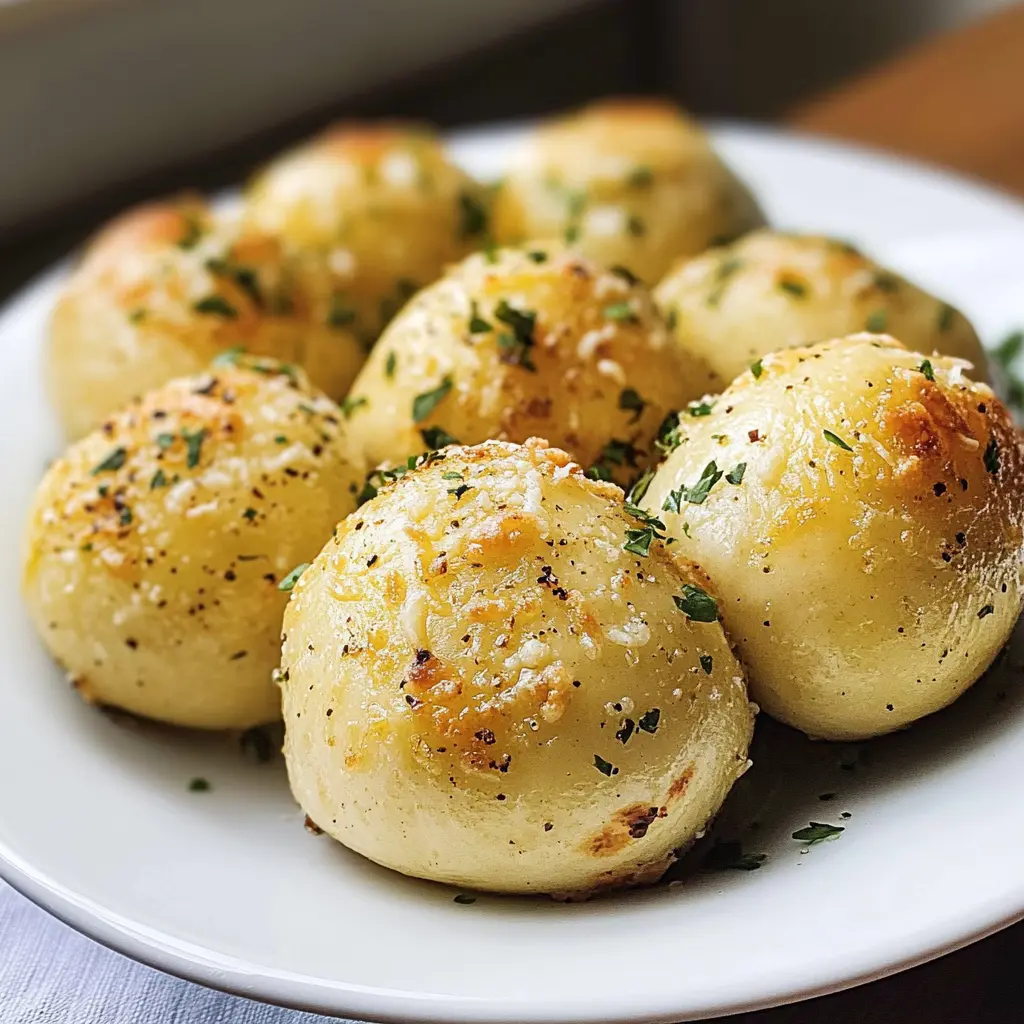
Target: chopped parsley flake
669 438
437 437
698 493
229 357
639 489
706 663
193 231
649 721
516 345
423 405
244 277
125 516
477 324
349 405
159 480
756 368
250 514
193 445
472 216
638 541
113 461
625 273
877 321
537 255
288 583
630 401
985 611
926 369
452 475
635 226
464 899
991 457
605 767
735 475
459 491
622 311
640 177
697 604
198 785
700 408
817 832
620 452
164 441
886 282
836 440
216 305
723 272
389 365
793 287
341 313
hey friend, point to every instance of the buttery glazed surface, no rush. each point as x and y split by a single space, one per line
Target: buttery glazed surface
155 545
771 290
862 588
165 288
481 686
594 372
385 205
629 183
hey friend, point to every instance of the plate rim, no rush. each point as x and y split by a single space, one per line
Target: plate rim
373 1003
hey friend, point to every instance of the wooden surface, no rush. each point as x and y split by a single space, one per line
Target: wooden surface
958 100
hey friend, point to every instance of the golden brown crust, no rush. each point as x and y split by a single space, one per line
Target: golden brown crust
156 544
528 342
868 542
772 290
472 724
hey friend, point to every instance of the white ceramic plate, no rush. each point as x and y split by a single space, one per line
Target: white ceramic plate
225 887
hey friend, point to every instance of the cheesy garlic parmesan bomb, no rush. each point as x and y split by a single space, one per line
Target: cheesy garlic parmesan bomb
858 507
771 290
634 183
382 202
157 546
521 343
496 677
165 288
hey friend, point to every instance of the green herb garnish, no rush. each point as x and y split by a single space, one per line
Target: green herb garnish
630 401
817 832
288 583
216 305
697 604
835 439
605 767
877 321
735 475
423 405
436 437
113 461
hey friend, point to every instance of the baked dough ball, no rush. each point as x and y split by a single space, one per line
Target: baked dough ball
522 343
157 544
629 183
165 288
769 291
482 686
385 205
858 506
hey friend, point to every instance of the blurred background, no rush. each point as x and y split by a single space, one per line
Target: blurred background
103 102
